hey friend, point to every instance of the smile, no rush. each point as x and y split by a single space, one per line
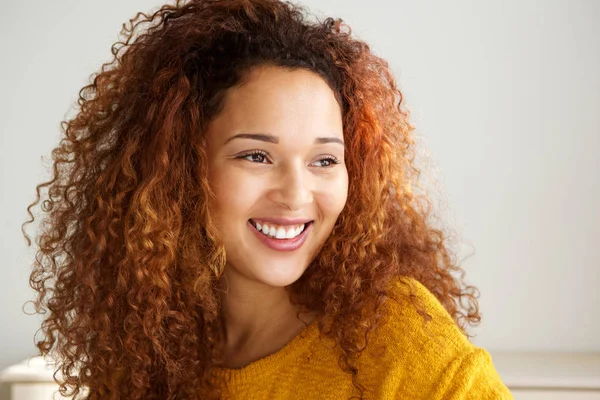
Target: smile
278 231
281 238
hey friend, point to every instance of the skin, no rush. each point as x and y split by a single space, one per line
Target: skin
295 179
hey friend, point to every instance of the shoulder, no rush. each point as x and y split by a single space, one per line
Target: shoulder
429 355
415 318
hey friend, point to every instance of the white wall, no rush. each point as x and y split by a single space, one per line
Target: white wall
505 96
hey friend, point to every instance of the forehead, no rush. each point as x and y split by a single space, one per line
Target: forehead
278 83
280 101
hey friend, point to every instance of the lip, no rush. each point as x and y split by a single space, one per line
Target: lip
282 244
284 221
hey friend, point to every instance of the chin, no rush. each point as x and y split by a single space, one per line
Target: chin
281 280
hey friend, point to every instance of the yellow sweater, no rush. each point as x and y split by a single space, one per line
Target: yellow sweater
438 364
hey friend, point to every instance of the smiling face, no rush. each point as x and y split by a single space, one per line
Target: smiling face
276 160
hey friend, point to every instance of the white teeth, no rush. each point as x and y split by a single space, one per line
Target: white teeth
280 232
291 233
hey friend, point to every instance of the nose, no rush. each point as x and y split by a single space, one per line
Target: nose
293 186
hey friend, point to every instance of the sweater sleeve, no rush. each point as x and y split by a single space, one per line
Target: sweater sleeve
472 377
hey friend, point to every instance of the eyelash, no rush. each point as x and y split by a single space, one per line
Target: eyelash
331 159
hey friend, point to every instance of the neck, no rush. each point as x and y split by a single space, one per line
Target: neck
259 320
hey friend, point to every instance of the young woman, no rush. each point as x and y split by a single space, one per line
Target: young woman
233 215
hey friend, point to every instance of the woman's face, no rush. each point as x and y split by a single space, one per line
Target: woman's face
279 173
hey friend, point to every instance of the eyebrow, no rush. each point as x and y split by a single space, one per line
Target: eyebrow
266 137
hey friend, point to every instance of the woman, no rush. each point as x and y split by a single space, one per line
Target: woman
231 216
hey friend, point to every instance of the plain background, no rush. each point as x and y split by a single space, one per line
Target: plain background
505 97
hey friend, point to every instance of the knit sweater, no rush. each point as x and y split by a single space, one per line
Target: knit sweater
421 361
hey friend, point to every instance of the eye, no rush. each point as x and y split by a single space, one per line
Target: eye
329 161
254 156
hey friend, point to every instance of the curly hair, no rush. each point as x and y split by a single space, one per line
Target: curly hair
129 259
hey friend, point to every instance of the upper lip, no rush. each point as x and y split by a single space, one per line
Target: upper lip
283 221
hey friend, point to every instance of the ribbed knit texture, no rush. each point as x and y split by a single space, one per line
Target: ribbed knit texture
432 361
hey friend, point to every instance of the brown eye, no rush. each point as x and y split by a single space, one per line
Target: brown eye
255 156
329 161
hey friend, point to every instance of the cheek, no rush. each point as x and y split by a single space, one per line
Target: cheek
334 198
234 192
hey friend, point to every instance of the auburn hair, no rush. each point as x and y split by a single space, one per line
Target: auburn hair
129 259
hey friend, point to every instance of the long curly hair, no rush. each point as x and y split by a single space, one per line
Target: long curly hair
129 259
